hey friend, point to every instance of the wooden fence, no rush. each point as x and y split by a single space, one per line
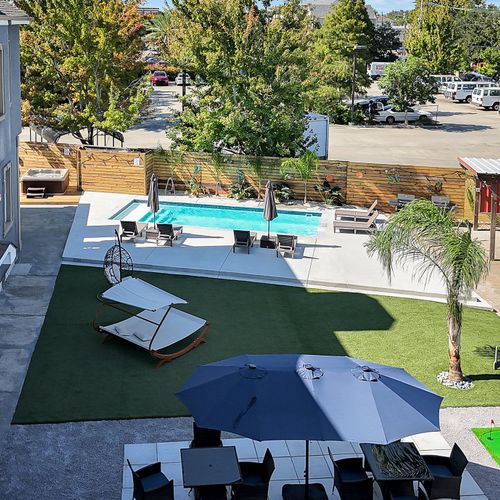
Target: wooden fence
126 171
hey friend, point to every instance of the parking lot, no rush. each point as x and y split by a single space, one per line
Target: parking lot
463 130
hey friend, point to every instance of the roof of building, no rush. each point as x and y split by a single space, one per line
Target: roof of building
481 166
321 8
9 11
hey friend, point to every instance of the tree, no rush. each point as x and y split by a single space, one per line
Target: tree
159 32
385 43
346 24
254 60
257 167
217 167
407 83
478 29
304 166
398 17
490 62
433 35
429 235
81 64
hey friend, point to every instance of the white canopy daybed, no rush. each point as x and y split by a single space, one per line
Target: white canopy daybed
158 325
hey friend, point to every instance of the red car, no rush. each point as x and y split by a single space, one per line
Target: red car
159 78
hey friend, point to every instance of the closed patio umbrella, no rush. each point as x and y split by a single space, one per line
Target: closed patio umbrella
153 197
270 211
300 396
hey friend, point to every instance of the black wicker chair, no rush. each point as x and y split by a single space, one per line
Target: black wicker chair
350 479
255 479
151 484
217 492
447 472
205 438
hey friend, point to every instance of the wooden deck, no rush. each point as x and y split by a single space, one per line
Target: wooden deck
62 199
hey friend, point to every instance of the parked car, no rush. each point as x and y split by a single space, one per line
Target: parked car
159 78
364 104
486 98
388 115
462 91
178 79
476 77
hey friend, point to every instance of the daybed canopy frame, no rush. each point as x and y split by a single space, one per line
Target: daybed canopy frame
157 317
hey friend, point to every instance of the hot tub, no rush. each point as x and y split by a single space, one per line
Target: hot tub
54 180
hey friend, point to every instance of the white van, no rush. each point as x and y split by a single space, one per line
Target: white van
462 91
376 69
487 98
443 80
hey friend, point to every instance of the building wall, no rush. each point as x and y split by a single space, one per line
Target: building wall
10 127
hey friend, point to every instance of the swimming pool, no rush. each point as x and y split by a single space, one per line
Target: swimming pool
226 217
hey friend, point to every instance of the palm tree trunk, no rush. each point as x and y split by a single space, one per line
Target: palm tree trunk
305 192
454 338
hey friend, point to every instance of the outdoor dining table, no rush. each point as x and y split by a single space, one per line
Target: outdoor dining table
395 462
210 466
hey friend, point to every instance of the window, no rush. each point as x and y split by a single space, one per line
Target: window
2 97
495 92
8 208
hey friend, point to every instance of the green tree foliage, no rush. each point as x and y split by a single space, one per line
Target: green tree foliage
385 43
398 17
490 62
407 83
479 31
346 24
433 34
80 62
431 238
253 57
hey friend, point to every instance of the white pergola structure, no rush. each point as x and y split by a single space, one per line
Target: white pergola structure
487 175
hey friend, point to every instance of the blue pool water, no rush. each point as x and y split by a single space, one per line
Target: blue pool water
224 217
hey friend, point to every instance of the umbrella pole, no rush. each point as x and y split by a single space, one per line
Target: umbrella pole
268 228
306 472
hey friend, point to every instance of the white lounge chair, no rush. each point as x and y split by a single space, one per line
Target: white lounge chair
364 213
355 226
158 325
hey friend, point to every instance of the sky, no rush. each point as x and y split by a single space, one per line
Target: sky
380 5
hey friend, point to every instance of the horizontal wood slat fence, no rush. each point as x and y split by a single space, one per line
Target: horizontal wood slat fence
126 171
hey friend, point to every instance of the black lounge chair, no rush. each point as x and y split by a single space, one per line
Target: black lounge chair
168 233
286 243
351 479
205 438
447 472
244 239
131 229
151 484
255 479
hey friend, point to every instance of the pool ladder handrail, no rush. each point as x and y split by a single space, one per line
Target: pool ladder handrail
170 181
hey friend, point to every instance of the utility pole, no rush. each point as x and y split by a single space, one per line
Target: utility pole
354 49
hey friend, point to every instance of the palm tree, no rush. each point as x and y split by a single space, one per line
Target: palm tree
304 166
158 31
432 238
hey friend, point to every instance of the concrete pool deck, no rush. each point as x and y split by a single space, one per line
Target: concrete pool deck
336 261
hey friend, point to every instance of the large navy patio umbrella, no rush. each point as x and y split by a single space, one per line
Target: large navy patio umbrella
300 396
270 211
153 197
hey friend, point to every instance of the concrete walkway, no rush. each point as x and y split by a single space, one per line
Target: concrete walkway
85 460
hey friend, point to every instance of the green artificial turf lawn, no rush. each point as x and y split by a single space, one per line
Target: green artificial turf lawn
73 376
490 439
